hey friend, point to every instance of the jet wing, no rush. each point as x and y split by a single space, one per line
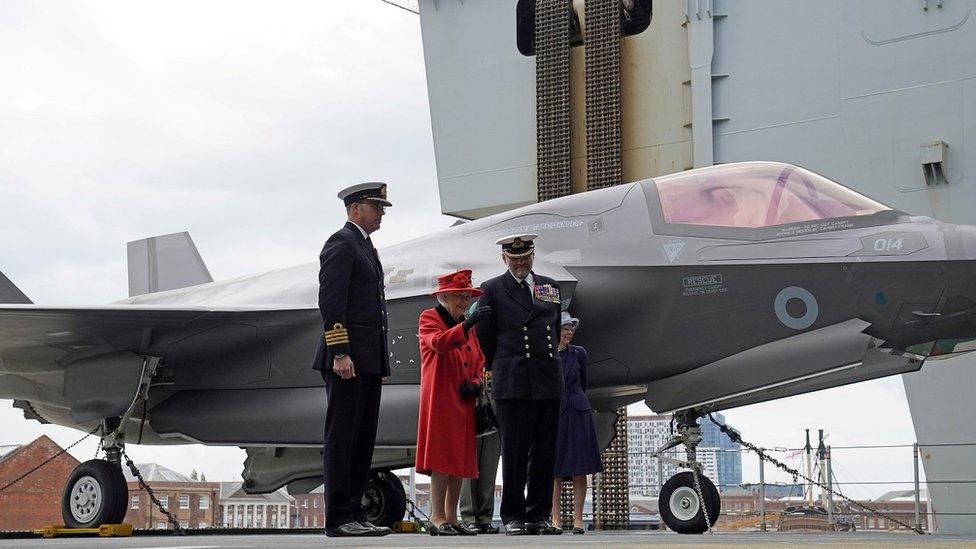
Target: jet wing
86 361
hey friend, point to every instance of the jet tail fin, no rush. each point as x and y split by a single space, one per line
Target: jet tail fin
165 262
9 293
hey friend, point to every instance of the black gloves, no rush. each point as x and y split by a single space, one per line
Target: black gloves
477 316
469 389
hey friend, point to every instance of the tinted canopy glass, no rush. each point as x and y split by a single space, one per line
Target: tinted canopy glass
755 195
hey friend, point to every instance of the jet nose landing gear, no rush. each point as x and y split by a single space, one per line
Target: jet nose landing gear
688 503
681 507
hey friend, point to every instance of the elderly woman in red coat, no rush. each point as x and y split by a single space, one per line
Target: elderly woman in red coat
450 381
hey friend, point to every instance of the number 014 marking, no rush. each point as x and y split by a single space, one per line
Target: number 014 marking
887 244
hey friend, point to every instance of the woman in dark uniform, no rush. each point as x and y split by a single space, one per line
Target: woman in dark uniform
577 453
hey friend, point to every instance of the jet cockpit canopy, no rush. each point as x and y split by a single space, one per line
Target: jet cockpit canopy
736 198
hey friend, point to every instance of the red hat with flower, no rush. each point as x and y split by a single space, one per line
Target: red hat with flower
458 281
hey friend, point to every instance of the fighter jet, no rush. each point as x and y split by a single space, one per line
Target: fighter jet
702 290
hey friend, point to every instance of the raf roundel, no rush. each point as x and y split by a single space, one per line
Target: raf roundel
805 320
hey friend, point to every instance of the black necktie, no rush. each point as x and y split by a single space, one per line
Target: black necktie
376 255
526 286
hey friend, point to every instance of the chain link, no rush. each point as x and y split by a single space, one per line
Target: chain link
412 510
178 529
735 437
49 460
701 496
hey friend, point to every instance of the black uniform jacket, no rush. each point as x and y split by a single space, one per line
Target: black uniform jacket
352 303
520 340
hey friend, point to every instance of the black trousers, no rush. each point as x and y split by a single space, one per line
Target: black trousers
529 430
350 433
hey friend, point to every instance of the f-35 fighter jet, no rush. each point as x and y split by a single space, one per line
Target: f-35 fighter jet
702 291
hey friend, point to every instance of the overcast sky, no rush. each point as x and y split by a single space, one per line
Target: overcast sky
239 121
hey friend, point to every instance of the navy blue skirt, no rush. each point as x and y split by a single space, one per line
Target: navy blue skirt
577 452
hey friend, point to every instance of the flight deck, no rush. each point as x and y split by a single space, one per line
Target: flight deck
616 540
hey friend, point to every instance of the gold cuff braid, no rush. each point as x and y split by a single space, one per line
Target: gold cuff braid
337 335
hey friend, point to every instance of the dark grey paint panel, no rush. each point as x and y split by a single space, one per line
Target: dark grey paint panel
9 293
101 386
240 417
876 365
762 366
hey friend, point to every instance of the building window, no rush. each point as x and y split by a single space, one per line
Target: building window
184 501
315 503
306 521
135 502
164 501
305 503
184 524
204 502
161 525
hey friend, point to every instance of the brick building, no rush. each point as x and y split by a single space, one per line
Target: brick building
36 500
193 503
309 510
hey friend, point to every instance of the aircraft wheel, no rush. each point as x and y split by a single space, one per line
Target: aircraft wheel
384 501
95 494
680 506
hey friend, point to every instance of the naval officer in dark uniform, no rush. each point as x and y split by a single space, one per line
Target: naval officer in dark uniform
519 341
352 357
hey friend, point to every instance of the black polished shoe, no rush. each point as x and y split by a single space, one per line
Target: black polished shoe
515 528
483 528
579 531
349 530
464 530
543 527
377 530
446 529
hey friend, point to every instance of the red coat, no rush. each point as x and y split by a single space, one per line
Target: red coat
445 427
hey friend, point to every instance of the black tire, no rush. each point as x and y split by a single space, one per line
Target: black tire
679 504
385 501
95 494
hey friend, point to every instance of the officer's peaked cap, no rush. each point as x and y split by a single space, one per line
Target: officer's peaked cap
517 245
374 191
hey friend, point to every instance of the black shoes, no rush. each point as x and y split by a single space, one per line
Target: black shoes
543 527
483 528
463 530
377 530
350 529
448 529
578 531
516 528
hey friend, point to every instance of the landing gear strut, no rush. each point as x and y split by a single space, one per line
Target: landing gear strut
96 492
688 503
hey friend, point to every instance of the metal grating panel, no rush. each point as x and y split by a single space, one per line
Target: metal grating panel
552 98
602 93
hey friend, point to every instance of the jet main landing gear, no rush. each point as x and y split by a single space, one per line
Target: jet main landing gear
384 501
688 503
96 492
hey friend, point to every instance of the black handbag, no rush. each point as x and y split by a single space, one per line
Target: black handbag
485 422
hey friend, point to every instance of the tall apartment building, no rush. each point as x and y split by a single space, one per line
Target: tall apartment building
720 457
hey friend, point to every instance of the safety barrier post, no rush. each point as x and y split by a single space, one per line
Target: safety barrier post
762 495
918 520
